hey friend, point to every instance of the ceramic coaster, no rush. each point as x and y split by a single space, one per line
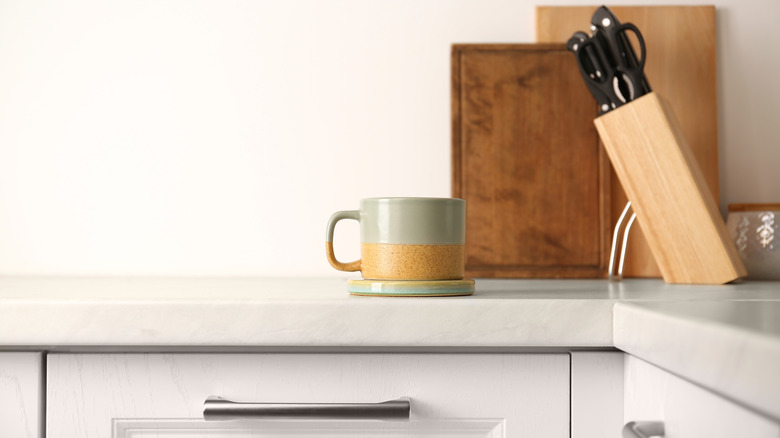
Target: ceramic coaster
409 288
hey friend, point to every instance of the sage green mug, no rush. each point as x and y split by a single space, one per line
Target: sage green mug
406 238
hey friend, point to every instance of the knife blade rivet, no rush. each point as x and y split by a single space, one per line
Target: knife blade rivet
605 107
606 22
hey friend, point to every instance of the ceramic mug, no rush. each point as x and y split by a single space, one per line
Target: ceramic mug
406 238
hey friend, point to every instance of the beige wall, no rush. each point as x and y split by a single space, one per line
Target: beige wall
212 137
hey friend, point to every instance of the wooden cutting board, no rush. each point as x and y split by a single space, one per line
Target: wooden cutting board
527 160
681 66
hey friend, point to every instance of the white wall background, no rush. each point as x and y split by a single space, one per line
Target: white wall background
189 137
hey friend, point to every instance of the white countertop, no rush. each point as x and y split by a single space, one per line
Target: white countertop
726 338
63 312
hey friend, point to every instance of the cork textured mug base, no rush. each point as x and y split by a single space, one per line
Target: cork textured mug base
411 288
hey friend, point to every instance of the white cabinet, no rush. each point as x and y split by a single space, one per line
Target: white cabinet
21 395
596 394
139 395
687 410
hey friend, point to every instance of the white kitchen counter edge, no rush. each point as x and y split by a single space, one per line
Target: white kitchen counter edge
698 342
67 312
265 313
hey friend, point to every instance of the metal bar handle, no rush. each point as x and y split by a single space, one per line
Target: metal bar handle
217 408
643 429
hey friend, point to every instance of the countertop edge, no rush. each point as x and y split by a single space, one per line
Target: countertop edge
391 323
728 360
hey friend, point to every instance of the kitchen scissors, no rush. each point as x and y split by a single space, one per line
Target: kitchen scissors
607 60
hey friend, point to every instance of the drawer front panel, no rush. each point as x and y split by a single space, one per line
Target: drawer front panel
21 390
103 395
687 410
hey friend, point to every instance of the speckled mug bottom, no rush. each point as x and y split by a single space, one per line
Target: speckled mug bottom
394 261
411 288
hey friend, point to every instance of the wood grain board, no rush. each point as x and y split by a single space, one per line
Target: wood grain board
528 161
681 66
682 222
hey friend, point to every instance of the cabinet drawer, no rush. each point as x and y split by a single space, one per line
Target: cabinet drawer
135 395
687 410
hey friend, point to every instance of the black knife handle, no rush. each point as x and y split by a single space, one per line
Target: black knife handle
592 70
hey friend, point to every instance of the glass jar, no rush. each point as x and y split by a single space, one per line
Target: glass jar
754 229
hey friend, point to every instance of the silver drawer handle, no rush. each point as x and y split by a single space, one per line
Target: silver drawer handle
643 429
218 408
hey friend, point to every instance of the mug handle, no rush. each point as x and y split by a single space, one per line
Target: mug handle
337 216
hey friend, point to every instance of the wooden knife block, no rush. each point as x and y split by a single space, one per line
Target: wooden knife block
679 216
681 62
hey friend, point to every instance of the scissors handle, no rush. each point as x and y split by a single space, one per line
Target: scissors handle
629 64
614 35
607 61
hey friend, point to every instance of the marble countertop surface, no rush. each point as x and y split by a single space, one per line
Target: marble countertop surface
79 313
